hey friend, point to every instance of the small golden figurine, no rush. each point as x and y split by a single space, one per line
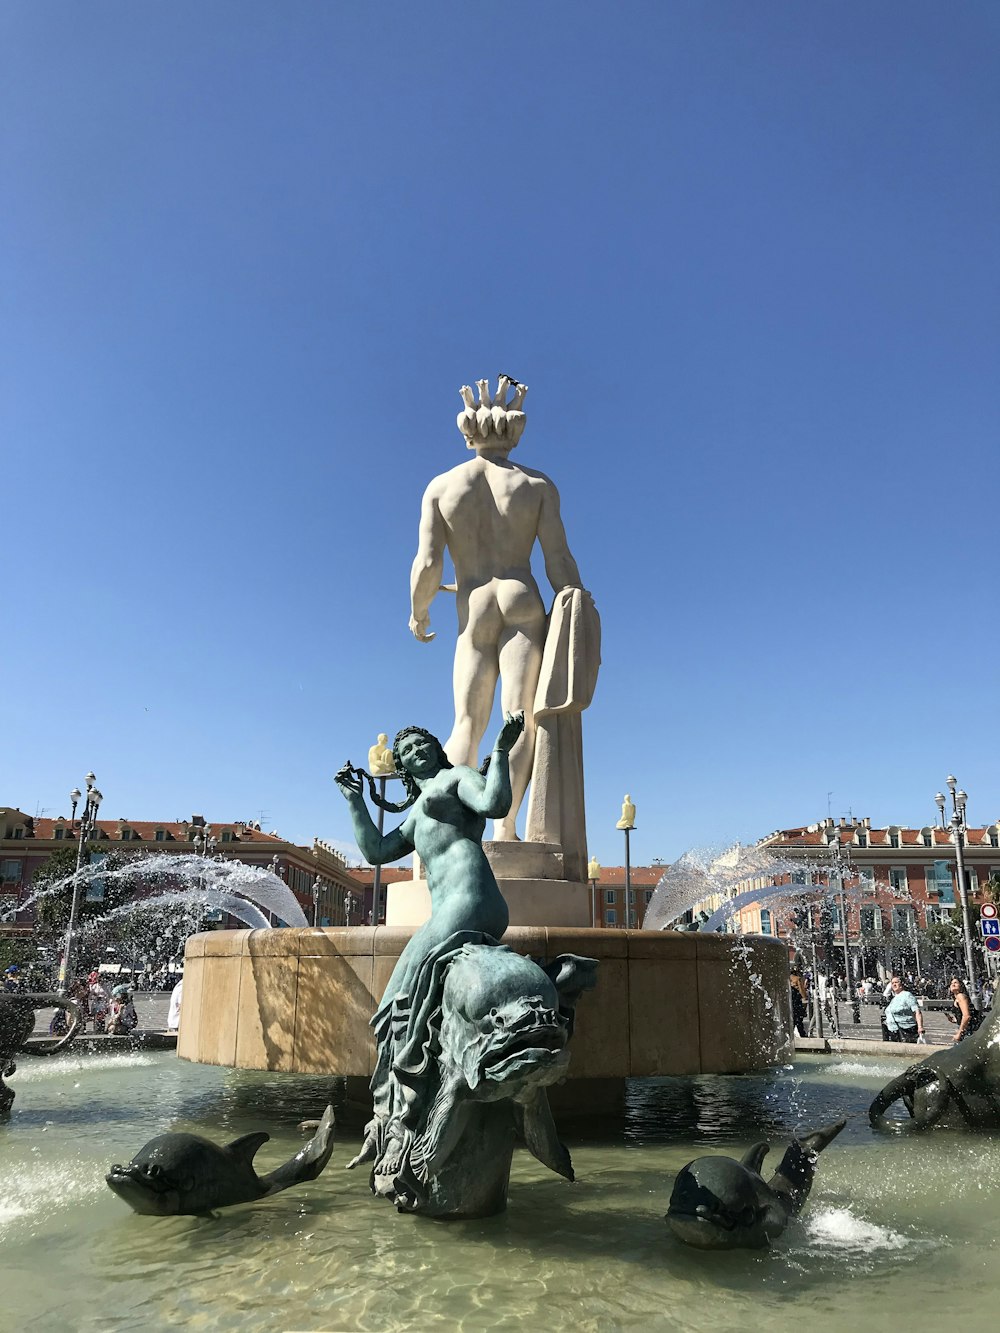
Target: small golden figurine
627 820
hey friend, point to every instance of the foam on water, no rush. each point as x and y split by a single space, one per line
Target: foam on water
39 1189
34 1071
856 1068
840 1229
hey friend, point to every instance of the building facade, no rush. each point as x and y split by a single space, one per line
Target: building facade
897 882
608 906
27 843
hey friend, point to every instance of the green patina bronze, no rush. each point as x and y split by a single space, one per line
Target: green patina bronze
959 1087
469 1033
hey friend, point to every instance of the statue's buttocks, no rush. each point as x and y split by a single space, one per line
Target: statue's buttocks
488 514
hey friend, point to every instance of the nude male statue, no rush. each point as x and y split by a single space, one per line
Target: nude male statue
487 513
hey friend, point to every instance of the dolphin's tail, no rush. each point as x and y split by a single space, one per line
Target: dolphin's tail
308 1162
922 1075
794 1176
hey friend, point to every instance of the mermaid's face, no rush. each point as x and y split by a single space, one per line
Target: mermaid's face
419 755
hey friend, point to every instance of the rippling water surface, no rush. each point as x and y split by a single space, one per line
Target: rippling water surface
896 1230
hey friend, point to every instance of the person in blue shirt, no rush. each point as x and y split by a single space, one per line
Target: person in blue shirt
903 1019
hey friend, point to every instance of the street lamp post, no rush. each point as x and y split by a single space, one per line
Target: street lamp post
88 824
959 800
627 824
593 875
838 874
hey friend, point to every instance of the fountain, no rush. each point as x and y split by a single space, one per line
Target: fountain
682 1047
666 1003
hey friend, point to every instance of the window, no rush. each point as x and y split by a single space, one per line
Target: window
871 921
94 892
798 877
631 897
994 837
60 834
765 922
10 872
648 896
903 920
894 839
227 835
609 897
937 916
610 917
862 838
161 835
938 875
928 837
126 835
897 880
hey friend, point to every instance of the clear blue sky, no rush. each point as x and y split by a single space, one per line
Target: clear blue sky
745 255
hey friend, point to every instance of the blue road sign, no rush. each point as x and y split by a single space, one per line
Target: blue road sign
990 925
993 943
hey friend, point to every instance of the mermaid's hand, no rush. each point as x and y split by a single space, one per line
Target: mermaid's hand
349 781
513 725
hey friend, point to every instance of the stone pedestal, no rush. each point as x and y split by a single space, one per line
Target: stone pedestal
530 875
300 1001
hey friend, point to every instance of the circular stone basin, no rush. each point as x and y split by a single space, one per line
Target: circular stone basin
666 1002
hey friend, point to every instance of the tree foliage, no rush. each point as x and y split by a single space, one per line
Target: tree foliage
52 910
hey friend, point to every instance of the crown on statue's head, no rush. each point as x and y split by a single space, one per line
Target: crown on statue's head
493 420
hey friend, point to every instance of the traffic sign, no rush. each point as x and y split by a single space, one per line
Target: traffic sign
988 910
993 943
990 925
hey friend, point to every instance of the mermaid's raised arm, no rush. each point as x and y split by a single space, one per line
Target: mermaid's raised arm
377 849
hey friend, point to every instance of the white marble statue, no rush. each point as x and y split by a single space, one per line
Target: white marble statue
487 513
627 820
380 760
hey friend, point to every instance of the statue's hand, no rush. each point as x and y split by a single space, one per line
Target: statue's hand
420 628
348 781
513 725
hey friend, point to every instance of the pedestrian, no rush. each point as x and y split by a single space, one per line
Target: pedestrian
13 982
122 1017
174 1014
800 1000
961 1011
903 1020
98 998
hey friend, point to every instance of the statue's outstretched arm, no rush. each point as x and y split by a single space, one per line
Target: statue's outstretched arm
560 567
374 847
492 796
428 565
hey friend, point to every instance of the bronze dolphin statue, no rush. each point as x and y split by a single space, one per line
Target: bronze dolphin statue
721 1204
183 1173
959 1086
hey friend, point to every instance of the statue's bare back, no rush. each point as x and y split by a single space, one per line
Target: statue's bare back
488 513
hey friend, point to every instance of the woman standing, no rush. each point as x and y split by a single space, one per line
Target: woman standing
961 1011
903 1019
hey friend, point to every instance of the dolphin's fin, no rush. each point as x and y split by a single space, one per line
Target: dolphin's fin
753 1158
822 1138
246 1146
534 1121
308 1162
794 1176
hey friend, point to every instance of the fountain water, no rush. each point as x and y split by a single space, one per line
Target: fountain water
189 878
905 1223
